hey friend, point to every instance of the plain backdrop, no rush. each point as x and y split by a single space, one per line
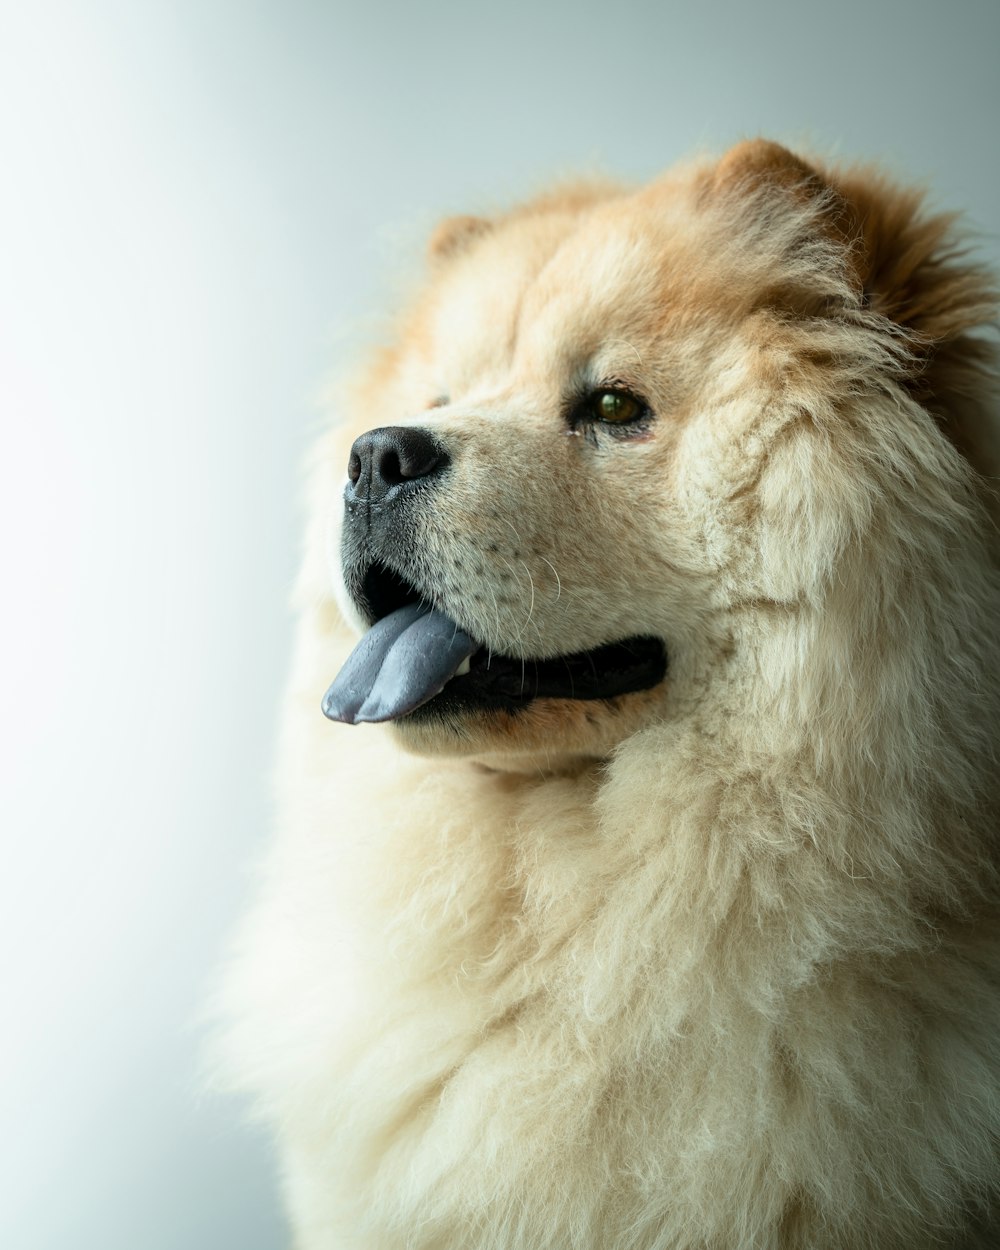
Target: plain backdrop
204 205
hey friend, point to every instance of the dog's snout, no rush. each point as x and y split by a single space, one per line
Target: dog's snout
391 457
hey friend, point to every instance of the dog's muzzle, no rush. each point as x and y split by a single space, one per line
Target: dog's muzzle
413 649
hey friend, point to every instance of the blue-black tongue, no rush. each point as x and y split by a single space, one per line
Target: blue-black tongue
405 659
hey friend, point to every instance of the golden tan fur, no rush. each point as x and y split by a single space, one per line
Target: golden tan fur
716 965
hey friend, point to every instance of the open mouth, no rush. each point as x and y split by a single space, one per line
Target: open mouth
416 659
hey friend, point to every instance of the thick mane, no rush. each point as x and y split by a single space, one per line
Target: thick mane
868 578
731 982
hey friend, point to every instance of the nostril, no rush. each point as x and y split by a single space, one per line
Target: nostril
390 469
354 468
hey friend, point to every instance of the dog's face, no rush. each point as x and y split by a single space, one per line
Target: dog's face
570 451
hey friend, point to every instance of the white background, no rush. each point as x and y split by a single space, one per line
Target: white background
203 204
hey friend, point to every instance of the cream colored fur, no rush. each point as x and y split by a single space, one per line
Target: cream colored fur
717 966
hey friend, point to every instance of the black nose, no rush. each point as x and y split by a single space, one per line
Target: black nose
390 458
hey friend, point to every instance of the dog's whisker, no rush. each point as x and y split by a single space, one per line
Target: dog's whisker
517 536
531 605
555 574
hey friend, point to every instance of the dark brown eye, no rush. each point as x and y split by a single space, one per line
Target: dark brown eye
611 411
616 407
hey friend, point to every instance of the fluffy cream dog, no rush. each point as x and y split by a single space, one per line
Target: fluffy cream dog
663 913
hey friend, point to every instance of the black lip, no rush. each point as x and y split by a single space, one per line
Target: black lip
498 683
510 683
603 672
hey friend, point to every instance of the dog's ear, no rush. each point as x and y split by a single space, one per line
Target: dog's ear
919 273
453 235
757 161
759 165
908 266
905 260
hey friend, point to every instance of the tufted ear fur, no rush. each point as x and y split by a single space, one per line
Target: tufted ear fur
909 267
919 275
759 163
453 235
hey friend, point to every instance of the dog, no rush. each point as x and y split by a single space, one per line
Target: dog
638 890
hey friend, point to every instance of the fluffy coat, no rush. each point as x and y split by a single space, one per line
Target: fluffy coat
717 967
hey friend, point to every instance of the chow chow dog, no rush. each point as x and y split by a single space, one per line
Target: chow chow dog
639 888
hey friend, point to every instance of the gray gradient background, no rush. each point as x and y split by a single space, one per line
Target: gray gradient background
202 205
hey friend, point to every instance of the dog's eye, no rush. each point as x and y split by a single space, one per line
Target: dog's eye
615 407
611 409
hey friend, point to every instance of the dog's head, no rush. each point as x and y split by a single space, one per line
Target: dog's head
621 433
